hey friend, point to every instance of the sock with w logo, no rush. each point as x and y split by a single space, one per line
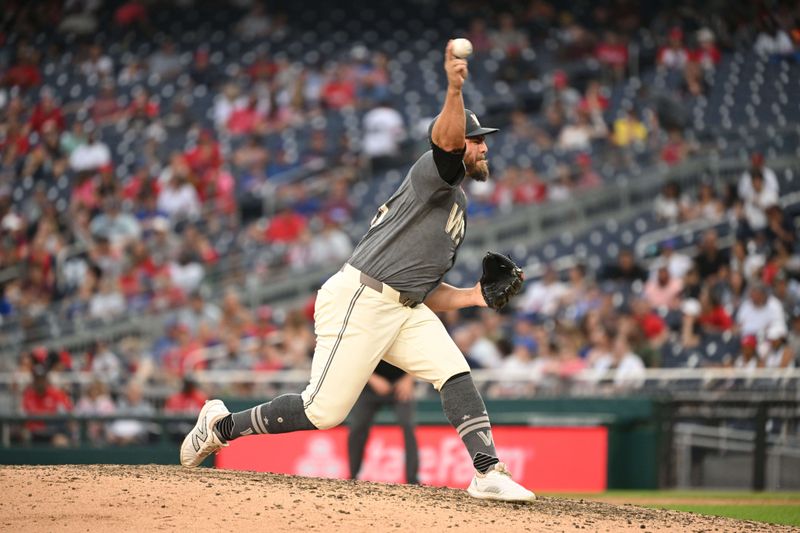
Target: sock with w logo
464 408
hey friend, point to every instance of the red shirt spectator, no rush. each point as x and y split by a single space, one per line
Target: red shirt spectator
189 400
205 156
285 227
530 191
47 111
612 52
244 120
339 93
24 75
42 398
142 107
716 318
651 325
130 13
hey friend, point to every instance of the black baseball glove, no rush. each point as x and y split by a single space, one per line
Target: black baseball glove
501 280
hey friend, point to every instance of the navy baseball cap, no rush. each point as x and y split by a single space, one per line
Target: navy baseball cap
473 126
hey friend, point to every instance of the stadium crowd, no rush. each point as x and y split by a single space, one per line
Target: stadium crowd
88 231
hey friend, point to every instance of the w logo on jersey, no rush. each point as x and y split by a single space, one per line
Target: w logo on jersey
455 224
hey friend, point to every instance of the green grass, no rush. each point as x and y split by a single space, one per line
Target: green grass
770 507
774 514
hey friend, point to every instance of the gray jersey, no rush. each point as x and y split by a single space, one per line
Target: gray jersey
413 239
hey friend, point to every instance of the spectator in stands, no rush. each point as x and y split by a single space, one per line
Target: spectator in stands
384 133
759 311
25 73
562 94
579 133
479 36
90 156
133 430
109 302
676 149
780 229
777 353
104 364
95 402
178 198
507 37
674 56
773 41
711 256
745 187
166 62
663 290
200 311
706 55
612 54
627 270
756 205
118 226
236 355
629 130
331 245
339 91
255 24
97 64
47 111
748 356
189 400
544 297
285 227
41 398
670 205
714 318
708 206
627 368
677 263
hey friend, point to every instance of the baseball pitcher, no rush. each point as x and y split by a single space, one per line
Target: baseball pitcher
381 305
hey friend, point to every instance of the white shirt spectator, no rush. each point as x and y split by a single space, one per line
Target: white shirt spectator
677 264
90 156
383 132
225 105
120 228
629 372
331 246
182 201
753 320
106 305
755 208
543 297
186 277
484 352
106 366
101 66
745 186
779 43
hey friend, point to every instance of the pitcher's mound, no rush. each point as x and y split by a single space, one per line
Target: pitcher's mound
147 498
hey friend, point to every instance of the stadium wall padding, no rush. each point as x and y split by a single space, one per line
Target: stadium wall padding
633 435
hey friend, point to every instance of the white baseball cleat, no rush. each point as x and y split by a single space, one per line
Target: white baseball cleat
202 441
496 484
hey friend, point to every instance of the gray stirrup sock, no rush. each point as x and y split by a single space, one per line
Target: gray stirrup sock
283 414
464 408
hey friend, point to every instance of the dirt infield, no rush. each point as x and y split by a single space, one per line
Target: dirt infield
79 498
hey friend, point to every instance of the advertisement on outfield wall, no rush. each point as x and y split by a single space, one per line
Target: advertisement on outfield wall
550 459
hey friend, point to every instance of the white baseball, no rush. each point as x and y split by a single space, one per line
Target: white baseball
462 48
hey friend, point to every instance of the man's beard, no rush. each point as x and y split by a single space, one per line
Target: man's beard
479 170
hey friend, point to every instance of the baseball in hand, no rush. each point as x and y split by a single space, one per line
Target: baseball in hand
462 48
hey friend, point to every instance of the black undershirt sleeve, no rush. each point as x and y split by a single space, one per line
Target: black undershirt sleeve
449 164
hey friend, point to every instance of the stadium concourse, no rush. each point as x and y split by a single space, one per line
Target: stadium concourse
174 181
